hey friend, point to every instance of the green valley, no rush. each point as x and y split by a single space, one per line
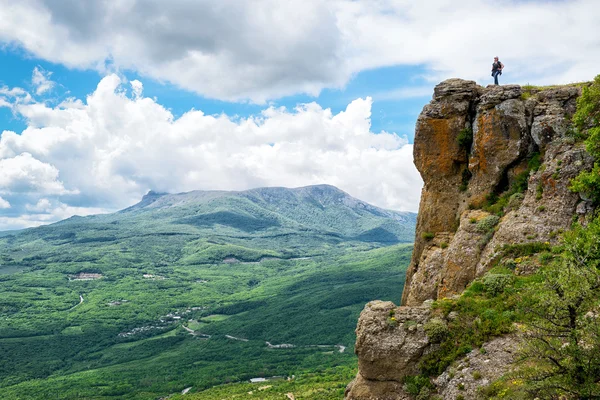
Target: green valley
196 290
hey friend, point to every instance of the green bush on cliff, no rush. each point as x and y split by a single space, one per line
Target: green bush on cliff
488 223
428 235
558 310
436 330
587 122
495 284
465 139
588 106
524 249
414 385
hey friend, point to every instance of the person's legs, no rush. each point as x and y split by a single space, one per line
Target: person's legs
496 73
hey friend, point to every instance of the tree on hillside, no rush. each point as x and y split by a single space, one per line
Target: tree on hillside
562 346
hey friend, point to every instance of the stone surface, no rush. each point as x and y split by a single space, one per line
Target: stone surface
427 277
500 139
364 389
464 252
441 162
478 369
548 207
389 351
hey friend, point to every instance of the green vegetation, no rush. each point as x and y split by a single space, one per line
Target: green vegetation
465 178
328 384
587 123
480 315
416 385
487 224
558 310
436 330
519 250
465 138
494 284
557 307
185 291
490 306
428 235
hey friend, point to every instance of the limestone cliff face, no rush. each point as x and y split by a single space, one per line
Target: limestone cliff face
507 131
456 240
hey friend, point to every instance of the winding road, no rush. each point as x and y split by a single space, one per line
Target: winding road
80 301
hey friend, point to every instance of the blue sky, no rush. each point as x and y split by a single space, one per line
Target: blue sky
390 112
102 101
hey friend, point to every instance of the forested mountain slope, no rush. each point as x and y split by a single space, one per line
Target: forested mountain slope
185 290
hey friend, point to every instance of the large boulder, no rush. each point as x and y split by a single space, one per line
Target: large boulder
390 349
390 341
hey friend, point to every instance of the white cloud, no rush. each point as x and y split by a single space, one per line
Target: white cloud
4 203
12 97
42 206
40 80
25 174
265 49
137 88
105 153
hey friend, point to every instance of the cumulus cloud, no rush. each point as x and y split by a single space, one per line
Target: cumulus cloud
12 97
260 50
104 153
42 206
25 174
41 81
4 203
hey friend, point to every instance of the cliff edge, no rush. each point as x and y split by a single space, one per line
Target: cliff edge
496 164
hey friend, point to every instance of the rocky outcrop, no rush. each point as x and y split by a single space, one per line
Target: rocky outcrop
390 341
441 161
459 175
473 145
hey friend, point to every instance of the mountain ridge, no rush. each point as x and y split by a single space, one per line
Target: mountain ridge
322 209
315 191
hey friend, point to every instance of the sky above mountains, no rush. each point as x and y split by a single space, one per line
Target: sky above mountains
102 101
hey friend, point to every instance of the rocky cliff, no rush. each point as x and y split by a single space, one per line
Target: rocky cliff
496 164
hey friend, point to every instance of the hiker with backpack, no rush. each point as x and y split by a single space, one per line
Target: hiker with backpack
497 68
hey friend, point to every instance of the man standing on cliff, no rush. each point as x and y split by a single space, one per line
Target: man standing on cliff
497 67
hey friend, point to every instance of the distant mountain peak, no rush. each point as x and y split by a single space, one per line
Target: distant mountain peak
152 193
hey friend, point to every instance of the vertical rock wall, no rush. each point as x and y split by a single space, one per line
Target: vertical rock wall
456 240
507 131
